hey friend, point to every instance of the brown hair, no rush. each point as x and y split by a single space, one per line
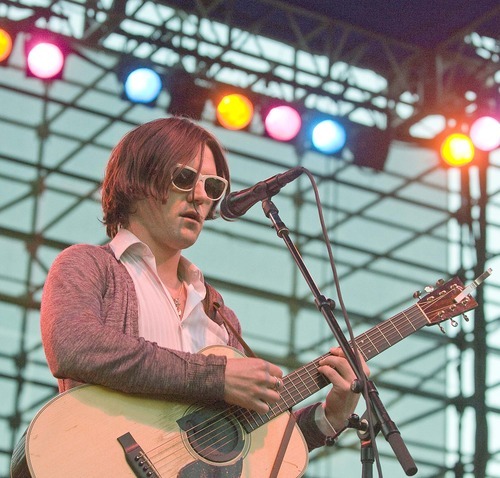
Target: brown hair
142 163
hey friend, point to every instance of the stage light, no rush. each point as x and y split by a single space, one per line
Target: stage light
235 111
140 80
282 123
45 58
187 98
485 133
457 150
328 136
142 85
370 146
6 44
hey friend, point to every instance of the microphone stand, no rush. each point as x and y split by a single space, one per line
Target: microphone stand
387 426
366 439
366 452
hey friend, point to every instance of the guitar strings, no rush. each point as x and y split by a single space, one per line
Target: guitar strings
304 381
303 384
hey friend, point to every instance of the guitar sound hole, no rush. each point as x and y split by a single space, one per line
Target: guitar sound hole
214 434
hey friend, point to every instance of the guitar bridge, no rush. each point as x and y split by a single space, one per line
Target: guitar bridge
136 458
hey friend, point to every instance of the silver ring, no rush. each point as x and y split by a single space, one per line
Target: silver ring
277 385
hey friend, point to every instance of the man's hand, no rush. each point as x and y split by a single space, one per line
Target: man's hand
340 402
252 383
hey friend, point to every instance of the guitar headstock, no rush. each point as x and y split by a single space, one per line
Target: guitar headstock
440 304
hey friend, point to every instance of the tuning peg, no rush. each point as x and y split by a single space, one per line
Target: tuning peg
439 282
417 294
465 317
429 288
441 328
454 323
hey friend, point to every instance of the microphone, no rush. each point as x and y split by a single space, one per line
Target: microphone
236 204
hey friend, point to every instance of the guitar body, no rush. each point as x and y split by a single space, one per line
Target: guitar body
76 434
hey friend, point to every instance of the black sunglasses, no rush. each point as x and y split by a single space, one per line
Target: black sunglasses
185 177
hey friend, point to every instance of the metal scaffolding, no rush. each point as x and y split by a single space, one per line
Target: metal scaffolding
394 229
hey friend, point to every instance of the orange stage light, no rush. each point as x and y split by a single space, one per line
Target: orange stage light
6 43
457 150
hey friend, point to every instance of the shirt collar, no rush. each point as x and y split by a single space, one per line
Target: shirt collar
192 275
125 240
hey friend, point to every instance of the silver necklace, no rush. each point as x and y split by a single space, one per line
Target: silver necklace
177 303
177 300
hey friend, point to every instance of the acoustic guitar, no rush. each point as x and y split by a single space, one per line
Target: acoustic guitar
91 431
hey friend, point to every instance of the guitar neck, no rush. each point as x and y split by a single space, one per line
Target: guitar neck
305 381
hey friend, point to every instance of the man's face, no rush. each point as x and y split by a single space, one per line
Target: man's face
176 223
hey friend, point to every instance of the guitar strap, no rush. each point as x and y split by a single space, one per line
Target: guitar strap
283 445
248 351
291 419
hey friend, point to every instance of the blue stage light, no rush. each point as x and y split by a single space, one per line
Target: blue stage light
142 85
328 136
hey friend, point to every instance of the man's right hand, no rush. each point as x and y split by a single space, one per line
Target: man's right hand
252 383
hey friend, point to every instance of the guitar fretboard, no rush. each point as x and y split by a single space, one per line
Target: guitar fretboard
306 380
